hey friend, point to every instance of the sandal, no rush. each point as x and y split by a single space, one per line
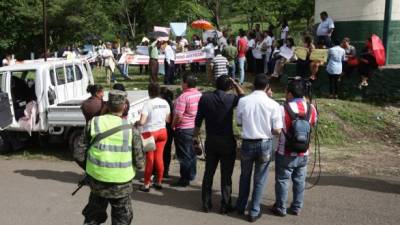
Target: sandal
157 186
144 189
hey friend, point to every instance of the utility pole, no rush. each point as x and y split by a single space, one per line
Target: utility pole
386 28
45 29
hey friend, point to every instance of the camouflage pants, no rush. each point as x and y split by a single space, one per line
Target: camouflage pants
95 211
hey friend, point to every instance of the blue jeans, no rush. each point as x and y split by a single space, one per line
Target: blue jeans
232 69
241 61
126 69
185 154
286 168
121 70
257 154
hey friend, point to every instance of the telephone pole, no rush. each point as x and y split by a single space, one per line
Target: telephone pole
45 29
386 28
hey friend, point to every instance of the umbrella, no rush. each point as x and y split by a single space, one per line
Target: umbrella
202 24
379 50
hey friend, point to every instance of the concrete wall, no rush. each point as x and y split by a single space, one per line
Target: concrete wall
358 19
384 85
355 10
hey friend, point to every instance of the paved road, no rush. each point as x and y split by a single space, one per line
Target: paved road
38 193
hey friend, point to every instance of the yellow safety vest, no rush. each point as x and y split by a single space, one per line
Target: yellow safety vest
110 160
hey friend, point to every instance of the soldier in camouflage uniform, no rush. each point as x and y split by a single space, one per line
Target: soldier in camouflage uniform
110 180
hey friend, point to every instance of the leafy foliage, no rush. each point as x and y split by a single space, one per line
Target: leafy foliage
75 21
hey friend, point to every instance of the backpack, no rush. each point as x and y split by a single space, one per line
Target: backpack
298 137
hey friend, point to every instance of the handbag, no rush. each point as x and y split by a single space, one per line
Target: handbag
149 144
353 61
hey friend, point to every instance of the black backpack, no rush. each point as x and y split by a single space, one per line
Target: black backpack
299 135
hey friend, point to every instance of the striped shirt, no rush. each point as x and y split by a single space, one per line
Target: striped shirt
219 64
185 107
299 106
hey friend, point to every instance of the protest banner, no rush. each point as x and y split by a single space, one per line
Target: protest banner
301 53
319 55
142 50
180 58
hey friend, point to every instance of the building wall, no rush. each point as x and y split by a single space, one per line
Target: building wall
358 19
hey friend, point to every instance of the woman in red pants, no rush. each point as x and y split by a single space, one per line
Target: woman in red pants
155 113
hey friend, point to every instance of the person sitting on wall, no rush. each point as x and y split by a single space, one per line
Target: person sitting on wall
367 64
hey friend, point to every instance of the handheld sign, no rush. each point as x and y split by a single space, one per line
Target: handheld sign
301 53
319 55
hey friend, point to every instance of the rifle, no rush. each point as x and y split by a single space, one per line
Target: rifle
81 183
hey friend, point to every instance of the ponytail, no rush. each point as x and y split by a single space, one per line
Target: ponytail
94 88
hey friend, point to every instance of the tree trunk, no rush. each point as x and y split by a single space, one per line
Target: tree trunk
217 13
132 28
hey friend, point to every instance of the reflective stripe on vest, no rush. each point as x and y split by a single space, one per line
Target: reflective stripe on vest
109 164
110 160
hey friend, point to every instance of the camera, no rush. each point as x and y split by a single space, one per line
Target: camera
307 85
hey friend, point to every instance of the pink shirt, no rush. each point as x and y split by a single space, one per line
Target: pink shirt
185 107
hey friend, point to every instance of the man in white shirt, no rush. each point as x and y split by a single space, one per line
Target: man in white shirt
209 50
325 29
266 49
169 64
260 118
222 41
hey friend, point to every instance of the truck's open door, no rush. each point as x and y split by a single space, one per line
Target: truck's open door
6 117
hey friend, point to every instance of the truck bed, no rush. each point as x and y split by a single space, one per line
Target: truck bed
69 113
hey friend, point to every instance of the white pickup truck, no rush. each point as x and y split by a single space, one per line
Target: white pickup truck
53 92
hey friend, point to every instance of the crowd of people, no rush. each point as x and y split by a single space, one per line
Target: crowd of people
256 51
164 120
250 52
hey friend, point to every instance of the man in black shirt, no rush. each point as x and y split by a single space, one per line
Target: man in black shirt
216 108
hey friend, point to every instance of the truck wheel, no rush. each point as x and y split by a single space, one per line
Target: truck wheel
5 146
74 139
42 140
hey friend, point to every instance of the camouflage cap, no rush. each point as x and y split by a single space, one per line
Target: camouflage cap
116 97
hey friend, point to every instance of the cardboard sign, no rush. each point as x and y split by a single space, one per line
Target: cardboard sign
319 55
301 53
178 29
142 50
286 52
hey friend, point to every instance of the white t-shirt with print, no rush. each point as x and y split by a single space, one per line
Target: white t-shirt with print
257 53
284 32
157 110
